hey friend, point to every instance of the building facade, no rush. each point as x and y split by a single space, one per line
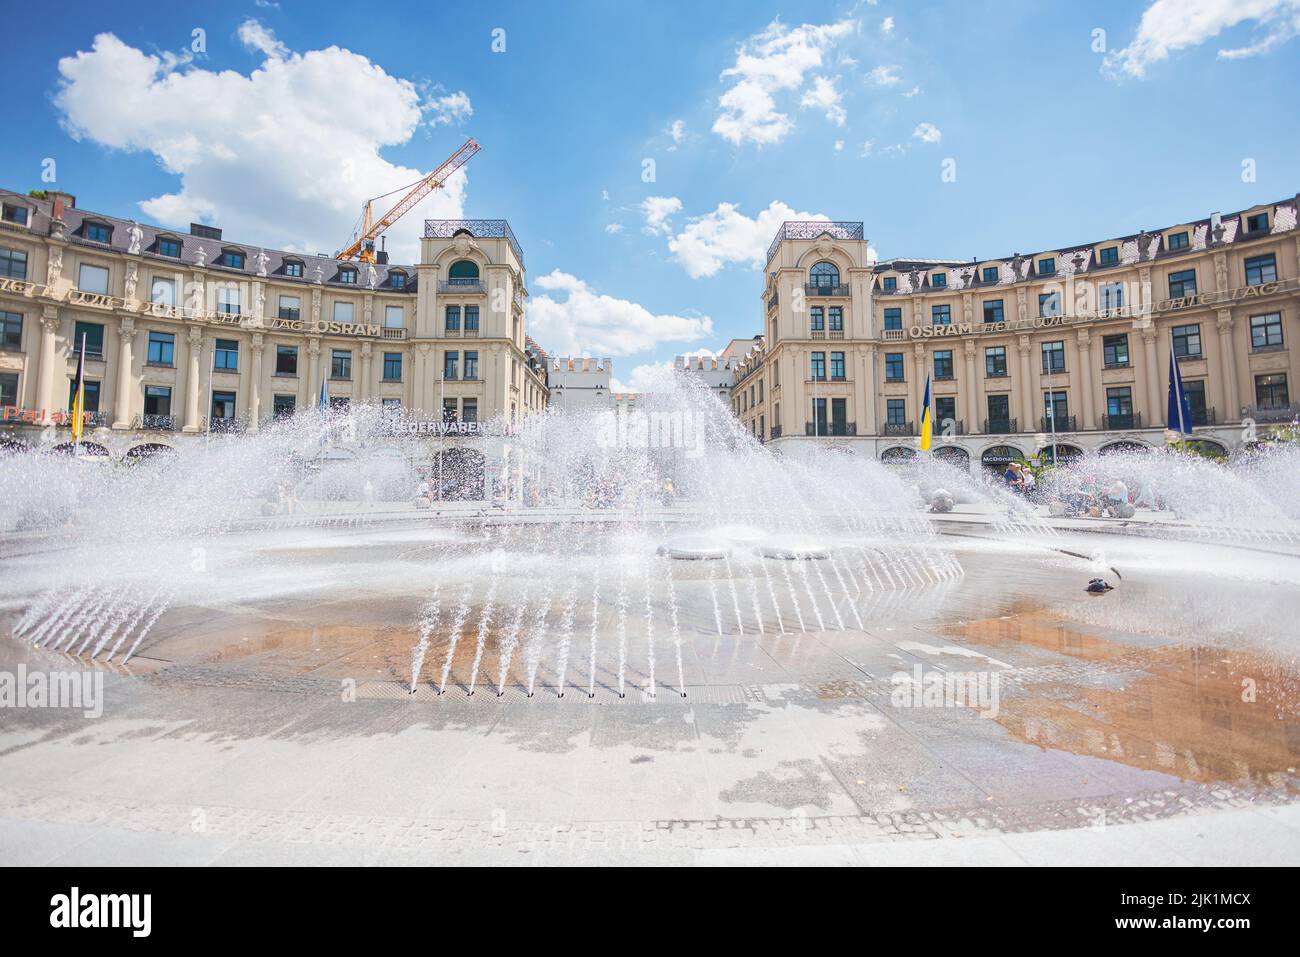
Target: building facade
1064 349
189 333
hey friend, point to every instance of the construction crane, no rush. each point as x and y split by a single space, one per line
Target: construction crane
362 246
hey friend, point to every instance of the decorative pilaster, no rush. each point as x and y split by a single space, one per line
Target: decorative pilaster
255 390
367 349
972 391
122 405
313 367
195 340
1030 422
1085 379
49 360
1228 357
1155 411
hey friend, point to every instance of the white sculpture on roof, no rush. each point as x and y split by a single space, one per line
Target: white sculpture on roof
372 277
200 257
318 274
262 260
136 236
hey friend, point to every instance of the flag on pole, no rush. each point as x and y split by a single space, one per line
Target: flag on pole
79 396
925 417
1179 417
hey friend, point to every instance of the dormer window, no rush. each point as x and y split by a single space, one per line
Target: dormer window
293 268
166 246
1257 223
1047 265
232 258
348 277
889 283
939 280
989 274
1178 241
13 213
1108 256
96 232
397 280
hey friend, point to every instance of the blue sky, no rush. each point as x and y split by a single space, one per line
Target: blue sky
749 111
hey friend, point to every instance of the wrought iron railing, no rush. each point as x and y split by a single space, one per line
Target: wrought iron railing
830 428
776 431
478 228
811 230
1000 427
156 423
1058 423
1204 416
897 428
464 287
1122 420
1272 413
815 289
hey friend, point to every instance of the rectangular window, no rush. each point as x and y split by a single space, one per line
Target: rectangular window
469 410
162 349
1111 295
11 331
342 312
1114 351
1187 341
1119 407
449 410
471 364
1257 223
96 232
93 279
15 214
157 400
290 308
835 318
339 403
939 280
999 407
1260 269
945 411
223 406
282 406
8 389
1271 391
91 397
995 361
894 318
392 367
453 318
990 273
1196 401
896 411
1178 241
837 369
13 264
286 360
893 367
226 357
397 280
293 271
348 277
394 317
168 247
93 333
471 318
941 315
1108 256
816 319
1053 357
1266 331
1055 404
449 362
943 364
1047 266
162 292
993 310
818 371
1182 283
228 300
341 364
890 284
1049 304
232 259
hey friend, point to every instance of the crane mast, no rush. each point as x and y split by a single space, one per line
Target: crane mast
363 246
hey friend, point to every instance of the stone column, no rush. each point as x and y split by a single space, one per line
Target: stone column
49 360
255 390
1029 421
313 372
1085 379
367 361
195 339
1156 412
122 405
1228 357
870 424
918 385
971 385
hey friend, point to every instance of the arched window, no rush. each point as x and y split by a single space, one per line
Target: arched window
825 274
463 271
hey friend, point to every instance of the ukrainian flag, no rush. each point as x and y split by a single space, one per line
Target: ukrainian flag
926 425
79 396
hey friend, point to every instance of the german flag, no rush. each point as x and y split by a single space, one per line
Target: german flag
79 396
926 425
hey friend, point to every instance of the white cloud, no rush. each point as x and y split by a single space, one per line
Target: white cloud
824 96
726 236
655 376
884 76
768 63
593 324
912 92
451 108
284 156
1168 26
887 25
927 133
867 148
677 131
614 228
839 145
604 194
657 210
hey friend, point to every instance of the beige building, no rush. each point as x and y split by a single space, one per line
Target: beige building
188 333
1073 342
